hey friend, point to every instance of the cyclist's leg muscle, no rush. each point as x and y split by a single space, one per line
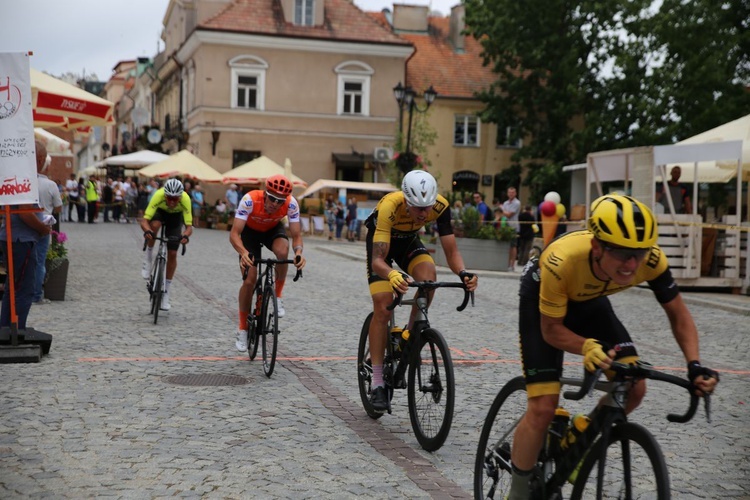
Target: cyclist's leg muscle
380 317
532 430
279 245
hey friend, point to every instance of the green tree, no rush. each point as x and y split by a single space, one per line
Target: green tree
579 77
422 137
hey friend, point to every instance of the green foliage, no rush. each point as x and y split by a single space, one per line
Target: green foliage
422 137
56 249
472 227
303 207
579 77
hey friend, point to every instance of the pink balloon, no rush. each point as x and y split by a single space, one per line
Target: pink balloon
549 208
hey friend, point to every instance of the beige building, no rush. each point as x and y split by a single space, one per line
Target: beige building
312 81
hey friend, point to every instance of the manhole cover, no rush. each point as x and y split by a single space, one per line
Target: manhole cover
211 379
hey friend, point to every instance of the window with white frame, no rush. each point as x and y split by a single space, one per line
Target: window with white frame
466 130
508 137
248 82
353 88
303 12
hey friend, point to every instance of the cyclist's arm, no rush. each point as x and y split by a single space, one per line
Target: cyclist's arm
452 255
235 238
187 211
295 230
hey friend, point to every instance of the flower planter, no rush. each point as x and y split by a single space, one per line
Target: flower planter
488 255
221 226
56 279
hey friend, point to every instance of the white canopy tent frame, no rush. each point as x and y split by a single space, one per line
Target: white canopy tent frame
638 168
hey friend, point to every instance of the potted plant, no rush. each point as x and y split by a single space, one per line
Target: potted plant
482 245
223 221
56 263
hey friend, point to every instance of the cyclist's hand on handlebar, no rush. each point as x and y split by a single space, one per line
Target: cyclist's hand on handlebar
184 239
704 379
246 261
399 281
149 235
469 279
594 356
299 261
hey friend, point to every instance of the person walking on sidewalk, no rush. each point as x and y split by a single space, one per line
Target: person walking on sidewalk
258 221
170 206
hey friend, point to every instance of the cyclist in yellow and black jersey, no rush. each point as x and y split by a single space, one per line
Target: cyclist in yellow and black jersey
393 236
171 207
564 307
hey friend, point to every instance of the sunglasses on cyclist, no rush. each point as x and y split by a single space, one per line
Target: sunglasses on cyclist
174 198
275 199
625 254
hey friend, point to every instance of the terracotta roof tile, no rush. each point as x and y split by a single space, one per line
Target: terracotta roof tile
343 22
436 63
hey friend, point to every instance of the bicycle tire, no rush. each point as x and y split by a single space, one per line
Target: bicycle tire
158 289
364 369
641 472
253 325
431 390
269 337
492 471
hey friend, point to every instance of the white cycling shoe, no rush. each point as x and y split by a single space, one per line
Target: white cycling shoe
165 305
280 308
241 343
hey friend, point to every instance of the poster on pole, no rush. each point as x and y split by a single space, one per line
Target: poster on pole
18 182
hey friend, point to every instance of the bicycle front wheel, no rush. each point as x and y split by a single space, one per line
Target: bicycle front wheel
431 390
492 471
157 278
252 334
269 335
631 467
364 369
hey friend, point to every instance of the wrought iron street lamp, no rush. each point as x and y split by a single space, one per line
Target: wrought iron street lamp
405 97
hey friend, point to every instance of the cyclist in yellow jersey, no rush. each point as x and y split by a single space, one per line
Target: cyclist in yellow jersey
393 236
564 307
169 206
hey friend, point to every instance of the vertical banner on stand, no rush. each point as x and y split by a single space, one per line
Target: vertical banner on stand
18 182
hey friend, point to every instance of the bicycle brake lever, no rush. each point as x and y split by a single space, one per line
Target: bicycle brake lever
707 406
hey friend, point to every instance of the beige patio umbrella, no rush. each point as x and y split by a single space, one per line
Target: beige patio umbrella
183 164
257 171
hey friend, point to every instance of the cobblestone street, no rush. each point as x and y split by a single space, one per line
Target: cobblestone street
102 416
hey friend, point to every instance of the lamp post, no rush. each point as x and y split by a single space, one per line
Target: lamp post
405 97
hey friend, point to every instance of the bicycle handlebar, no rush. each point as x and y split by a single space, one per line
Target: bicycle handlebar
167 240
432 285
297 276
642 370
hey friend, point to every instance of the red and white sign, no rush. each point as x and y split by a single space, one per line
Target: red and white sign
18 182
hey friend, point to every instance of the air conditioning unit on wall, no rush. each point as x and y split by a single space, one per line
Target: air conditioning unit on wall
383 155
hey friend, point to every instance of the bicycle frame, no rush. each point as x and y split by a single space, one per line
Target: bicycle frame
396 378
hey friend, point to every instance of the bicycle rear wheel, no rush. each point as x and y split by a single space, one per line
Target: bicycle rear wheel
364 369
492 471
269 331
633 467
431 390
157 289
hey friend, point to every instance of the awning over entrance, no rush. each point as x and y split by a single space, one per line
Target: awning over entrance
362 186
350 160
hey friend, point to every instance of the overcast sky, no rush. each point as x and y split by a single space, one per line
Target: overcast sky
94 35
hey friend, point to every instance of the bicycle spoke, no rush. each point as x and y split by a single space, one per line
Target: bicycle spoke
492 470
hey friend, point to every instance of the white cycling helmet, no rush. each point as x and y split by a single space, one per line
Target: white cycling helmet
173 187
419 188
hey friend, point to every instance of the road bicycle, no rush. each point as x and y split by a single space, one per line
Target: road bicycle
156 282
263 318
431 386
610 458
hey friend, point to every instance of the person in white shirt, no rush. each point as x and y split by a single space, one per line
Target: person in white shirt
50 202
71 187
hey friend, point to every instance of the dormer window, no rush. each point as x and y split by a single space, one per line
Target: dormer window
303 12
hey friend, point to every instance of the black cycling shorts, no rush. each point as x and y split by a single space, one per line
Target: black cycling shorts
252 239
595 318
406 250
172 222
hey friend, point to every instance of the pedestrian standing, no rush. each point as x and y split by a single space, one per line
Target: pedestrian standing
71 188
351 219
511 209
525 234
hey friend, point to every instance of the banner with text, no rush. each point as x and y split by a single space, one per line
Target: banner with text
18 182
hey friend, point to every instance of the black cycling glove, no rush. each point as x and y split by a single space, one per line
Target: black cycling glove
695 370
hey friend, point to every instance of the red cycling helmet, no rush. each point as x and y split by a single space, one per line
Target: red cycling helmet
279 185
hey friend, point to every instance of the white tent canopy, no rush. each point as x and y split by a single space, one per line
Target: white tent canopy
736 130
137 159
334 184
